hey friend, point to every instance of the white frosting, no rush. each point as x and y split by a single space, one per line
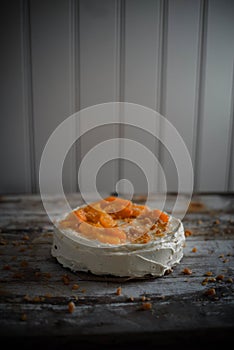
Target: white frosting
125 260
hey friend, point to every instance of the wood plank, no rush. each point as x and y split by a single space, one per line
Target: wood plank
135 320
213 145
32 284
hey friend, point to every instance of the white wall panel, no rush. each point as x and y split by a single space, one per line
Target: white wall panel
141 79
217 99
52 75
99 75
15 174
173 56
231 170
231 142
180 79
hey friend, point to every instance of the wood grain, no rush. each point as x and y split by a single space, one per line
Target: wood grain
35 290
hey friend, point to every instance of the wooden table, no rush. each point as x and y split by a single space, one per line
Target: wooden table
192 310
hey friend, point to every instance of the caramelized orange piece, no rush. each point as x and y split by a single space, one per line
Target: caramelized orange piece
145 238
160 215
108 239
99 220
93 231
107 221
120 208
87 230
115 231
138 209
111 199
124 213
80 213
92 214
71 221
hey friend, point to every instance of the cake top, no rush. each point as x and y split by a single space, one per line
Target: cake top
115 220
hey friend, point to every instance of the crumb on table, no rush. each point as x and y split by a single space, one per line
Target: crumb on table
188 233
71 307
146 306
210 292
119 291
23 317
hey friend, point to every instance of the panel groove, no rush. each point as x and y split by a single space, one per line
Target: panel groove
77 82
77 86
230 165
143 50
215 111
121 13
100 56
200 85
180 80
163 55
117 48
28 95
162 74
122 51
74 84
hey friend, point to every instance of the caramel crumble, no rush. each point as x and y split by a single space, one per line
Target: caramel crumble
188 233
229 280
75 286
119 291
220 277
24 263
187 271
47 275
205 281
48 295
146 306
210 292
208 273
71 307
23 317
65 279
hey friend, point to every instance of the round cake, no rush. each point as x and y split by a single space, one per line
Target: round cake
117 237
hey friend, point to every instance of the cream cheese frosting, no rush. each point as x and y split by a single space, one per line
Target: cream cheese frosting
124 260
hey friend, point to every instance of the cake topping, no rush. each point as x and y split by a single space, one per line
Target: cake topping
115 220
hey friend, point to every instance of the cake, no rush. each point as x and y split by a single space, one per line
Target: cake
117 237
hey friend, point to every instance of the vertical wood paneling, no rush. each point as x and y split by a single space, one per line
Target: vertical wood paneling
179 101
142 30
99 75
231 141
141 81
53 81
174 56
231 170
213 146
15 174
231 181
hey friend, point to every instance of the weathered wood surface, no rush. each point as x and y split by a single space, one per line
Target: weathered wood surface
35 290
